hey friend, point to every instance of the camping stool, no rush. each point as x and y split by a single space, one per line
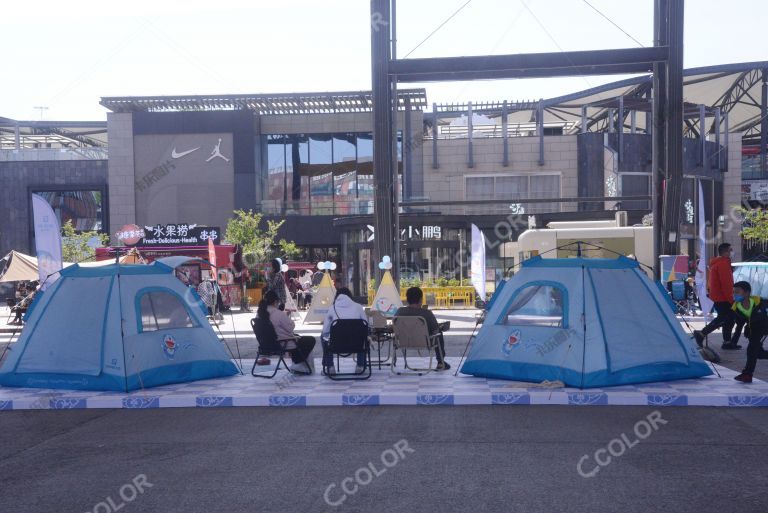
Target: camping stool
349 337
381 333
269 345
411 332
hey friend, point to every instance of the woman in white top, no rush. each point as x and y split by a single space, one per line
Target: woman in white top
343 308
301 347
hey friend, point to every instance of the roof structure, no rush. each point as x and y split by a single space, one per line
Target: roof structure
283 103
52 134
734 89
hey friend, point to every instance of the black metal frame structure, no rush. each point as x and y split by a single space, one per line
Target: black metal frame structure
664 60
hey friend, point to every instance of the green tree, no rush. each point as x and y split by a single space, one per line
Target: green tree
74 244
245 229
755 224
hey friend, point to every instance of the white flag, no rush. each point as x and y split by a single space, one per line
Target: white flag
701 268
47 241
477 267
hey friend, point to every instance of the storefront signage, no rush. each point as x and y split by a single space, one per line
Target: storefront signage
180 235
427 232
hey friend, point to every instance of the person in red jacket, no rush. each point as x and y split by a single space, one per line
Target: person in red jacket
720 291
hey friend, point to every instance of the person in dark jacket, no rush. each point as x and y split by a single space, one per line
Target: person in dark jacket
720 291
414 297
751 311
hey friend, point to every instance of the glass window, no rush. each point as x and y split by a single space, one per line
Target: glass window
83 207
297 178
365 173
162 310
274 196
542 187
480 188
321 174
635 185
345 173
536 305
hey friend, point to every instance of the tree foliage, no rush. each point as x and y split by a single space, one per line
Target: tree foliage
245 229
755 224
74 244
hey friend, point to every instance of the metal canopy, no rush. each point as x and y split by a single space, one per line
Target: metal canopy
532 65
17 134
285 103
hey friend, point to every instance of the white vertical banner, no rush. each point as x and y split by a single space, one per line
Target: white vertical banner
477 263
701 268
47 241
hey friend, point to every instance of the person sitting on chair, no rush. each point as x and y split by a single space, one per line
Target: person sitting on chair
414 296
750 311
300 347
343 308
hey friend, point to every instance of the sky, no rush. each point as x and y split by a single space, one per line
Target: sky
66 55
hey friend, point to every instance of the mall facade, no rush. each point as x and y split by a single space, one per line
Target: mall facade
306 158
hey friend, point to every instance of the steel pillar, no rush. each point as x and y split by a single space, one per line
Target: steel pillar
470 155
384 145
718 122
435 163
505 132
658 140
540 130
764 124
621 128
674 107
407 152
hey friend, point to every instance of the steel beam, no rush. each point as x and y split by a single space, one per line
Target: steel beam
703 133
621 129
407 152
556 64
718 127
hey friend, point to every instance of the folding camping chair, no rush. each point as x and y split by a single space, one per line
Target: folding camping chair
269 345
349 337
412 333
381 334
679 293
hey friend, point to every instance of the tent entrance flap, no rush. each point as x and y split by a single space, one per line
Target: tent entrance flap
75 344
631 340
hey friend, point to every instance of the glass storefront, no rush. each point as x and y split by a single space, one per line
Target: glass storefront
318 174
428 252
85 208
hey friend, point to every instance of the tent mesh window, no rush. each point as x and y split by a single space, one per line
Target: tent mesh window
536 305
163 311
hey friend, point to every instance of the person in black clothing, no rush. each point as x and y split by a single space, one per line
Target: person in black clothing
414 296
276 283
751 312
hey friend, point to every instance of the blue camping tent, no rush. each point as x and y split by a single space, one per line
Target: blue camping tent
588 322
117 327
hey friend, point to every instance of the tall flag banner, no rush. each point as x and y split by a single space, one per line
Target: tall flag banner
212 260
701 268
47 241
477 266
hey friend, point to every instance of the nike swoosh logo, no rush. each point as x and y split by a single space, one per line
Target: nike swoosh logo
176 155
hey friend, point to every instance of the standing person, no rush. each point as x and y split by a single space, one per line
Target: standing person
300 347
343 308
414 297
207 293
276 283
720 291
750 311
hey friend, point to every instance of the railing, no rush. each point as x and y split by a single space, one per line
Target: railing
33 154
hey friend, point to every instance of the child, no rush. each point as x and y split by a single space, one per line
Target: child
751 311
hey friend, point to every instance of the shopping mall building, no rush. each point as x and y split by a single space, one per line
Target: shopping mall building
307 159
